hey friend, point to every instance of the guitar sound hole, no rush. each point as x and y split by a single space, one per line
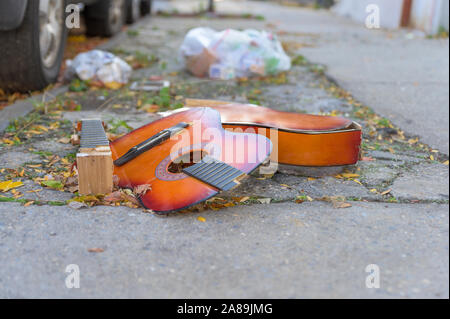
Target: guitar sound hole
185 160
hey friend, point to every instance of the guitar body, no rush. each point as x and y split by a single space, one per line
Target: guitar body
302 139
171 188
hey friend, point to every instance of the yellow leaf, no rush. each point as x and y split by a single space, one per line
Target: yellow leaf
28 203
7 185
41 127
349 175
311 179
373 190
309 198
386 192
34 132
432 157
201 219
341 204
356 181
445 163
113 85
7 141
34 165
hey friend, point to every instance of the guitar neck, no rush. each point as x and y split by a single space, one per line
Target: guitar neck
94 159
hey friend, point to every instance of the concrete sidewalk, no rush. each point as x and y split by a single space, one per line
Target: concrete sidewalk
400 74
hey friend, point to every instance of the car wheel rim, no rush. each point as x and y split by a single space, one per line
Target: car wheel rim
116 12
51 15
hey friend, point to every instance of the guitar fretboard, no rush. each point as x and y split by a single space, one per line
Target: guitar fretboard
215 173
93 134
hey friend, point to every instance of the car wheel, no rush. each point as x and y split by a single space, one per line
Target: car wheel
31 55
133 10
105 17
146 7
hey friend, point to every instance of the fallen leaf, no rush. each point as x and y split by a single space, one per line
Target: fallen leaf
445 163
432 157
201 219
64 140
75 139
8 185
349 175
77 205
114 197
243 199
142 189
28 203
96 250
264 200
113 85
311 179
386 192
116 180
341 204
53 184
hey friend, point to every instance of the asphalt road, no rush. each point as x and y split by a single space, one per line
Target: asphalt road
287 250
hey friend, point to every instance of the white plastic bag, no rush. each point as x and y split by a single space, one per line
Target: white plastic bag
231 53
99 66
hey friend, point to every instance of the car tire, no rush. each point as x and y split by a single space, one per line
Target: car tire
133 10
28 62
105 18
146 7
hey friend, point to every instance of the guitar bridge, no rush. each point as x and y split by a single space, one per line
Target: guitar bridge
215 173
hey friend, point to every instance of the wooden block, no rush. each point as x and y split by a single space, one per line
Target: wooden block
95 170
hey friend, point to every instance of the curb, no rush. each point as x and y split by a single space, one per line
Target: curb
23 107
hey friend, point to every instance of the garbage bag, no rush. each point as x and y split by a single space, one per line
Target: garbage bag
100 66
230 53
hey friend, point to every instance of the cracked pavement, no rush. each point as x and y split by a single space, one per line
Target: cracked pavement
398 195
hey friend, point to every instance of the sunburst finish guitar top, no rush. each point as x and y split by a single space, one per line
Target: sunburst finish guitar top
301 139
168 167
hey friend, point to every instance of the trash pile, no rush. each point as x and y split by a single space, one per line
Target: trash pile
99 66
233 54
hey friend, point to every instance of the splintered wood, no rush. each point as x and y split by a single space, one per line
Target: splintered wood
94 160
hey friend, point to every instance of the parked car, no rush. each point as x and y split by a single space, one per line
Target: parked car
33 35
